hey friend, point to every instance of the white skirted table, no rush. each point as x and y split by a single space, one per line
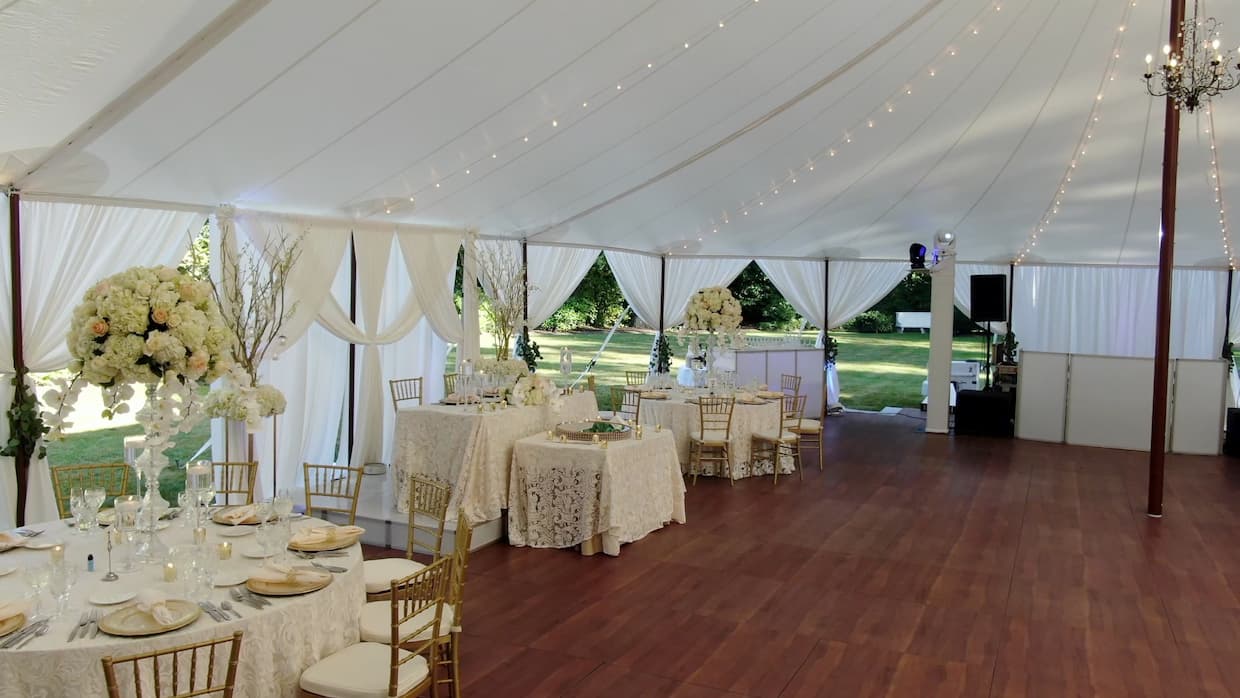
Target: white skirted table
280 640
565 494
678 413
472 450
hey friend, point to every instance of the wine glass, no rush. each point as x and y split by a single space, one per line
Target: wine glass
268 537
184 499
282 505
78 508
95 497
37 578
263 510
61 578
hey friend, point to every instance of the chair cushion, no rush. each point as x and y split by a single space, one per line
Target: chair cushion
712 437
376 622
380 573
361 671
786 437
808 426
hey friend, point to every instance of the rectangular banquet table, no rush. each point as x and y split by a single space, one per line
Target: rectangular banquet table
280 641
684 419
565 494
472 450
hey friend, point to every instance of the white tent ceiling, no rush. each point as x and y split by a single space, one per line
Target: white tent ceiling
349 107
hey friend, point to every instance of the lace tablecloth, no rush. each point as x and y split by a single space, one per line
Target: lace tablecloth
472 450
280 641
684 420
563 494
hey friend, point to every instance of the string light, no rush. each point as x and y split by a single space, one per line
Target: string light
870 121
599 99
1216 177
1087 134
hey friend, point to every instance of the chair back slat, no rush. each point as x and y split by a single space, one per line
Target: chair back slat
789 385
332 488
417 605
790 416
626 403
428 514
405 389
460 562
449 383
234 481
715 417
171 678
635 377
112 477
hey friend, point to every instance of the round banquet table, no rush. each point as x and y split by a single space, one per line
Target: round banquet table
280 640
684 419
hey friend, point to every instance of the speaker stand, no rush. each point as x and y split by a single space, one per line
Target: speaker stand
989 341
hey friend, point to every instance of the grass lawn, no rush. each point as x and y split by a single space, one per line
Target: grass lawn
876 370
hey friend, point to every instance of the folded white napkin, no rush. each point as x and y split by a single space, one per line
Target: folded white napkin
745 397
155 602
286 574
237 515
324 534
8 540
8 609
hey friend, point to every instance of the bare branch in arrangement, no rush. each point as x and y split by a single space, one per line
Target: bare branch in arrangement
251 294
503 282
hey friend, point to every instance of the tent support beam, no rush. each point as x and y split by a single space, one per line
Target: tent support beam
352 404
826 340
21 461
138 93
662 291
1166 261
525 290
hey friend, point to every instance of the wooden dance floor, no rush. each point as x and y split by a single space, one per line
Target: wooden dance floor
916 565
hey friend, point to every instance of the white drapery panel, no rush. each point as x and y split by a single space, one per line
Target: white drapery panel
638 278
963 291
554 273
431 262
802 283
66 249
1109 311
685 275
8 476
857 286
374 254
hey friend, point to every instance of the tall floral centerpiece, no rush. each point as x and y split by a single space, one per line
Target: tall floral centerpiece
252 302
713 320
158 328
536 389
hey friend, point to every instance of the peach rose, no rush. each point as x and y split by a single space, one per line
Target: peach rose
160 316
99 327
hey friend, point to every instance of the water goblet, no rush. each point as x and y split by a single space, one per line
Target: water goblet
184 500
266 537
79 509
61 578
282 505
37 578
95 497
263 510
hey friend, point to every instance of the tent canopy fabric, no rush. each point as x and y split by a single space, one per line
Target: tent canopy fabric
660 127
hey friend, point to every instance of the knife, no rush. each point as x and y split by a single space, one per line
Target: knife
257 599
21 634
94 626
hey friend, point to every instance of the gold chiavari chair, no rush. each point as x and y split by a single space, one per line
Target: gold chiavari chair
590 382
810 430
405 389
635 377
710 444
332 488
449 383
790 385
235 481
449 655
784 443
112 477
187 670
625 403
406 662
428 512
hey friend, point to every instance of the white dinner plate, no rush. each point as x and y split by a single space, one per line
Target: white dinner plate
7 570
108 597
230 578
36 544
235 531
253 551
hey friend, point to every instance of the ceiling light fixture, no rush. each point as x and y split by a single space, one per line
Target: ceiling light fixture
1202 72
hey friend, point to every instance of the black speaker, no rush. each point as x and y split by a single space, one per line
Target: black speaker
1231 444
988 298
985 413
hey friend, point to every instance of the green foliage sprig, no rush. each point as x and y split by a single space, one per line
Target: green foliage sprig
528 351
833 350
661 356
26 428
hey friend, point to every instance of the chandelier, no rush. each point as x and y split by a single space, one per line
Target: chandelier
1200 72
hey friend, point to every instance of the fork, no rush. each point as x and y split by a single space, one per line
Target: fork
42 630
80 627
28 532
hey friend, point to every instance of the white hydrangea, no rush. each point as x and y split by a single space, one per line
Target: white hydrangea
536 389
715 311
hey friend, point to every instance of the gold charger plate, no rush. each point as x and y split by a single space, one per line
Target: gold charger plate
752 402
131 622
769 394
323 546
12 623
252 521
654 396
266 588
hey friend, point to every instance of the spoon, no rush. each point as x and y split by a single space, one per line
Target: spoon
229 608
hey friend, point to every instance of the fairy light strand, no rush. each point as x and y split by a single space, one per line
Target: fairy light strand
1216 181
867 124
1087 135
575 110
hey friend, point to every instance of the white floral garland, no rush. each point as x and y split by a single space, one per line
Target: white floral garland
513 368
